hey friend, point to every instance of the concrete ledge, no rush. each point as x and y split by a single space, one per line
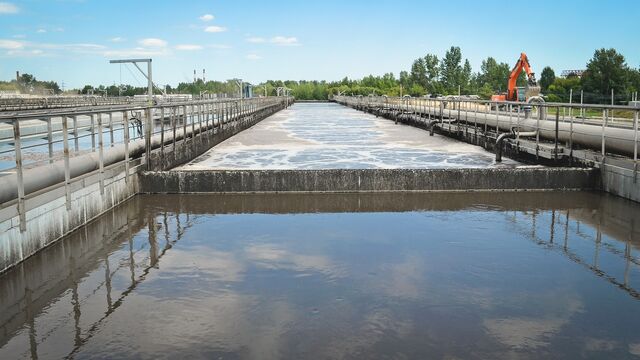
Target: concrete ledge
363 180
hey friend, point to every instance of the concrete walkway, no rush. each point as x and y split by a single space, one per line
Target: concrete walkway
331 136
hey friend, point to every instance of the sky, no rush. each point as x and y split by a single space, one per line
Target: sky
71 41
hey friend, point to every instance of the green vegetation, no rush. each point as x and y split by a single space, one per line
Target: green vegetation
607 70
28 84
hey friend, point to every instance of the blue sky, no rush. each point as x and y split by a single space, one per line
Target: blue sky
72 40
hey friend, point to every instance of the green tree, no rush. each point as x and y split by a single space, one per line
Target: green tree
606 71
432 72
465 77
419 73
494 74
547 77
451 70
405 79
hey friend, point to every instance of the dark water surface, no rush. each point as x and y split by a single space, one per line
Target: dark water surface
369 276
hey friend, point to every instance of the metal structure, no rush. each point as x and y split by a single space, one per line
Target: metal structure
61 147
569 73
608 130
148 75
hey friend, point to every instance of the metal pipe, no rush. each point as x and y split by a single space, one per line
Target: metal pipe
584 134
12 187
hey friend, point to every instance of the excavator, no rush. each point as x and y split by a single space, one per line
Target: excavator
529 93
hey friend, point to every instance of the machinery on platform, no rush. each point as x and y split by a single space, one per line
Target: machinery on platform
528 93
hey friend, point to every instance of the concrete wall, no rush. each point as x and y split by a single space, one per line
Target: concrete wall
354 180
48 219
621 181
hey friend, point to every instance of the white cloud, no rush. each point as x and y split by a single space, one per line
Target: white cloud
276 40
41 31
26 53
153 42
219 46
135 52
206 17
254 57
8 8
11 44
117 39
284 41
188 47
215 29
256 40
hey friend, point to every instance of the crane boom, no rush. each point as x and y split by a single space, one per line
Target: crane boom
532 89
522 64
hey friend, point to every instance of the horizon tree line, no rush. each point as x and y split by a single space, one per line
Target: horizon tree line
605 72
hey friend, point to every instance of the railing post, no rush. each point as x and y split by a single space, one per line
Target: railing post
93 132
604 124
193 122
67 171
217 118
101 153
75 134
162 131
517 126
50 139
147 137
555 140
184 124
538 134
571 135
635 146
19 175
111 129
175 114
126 146
497 121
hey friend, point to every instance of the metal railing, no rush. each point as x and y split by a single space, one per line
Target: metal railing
605 128
62 146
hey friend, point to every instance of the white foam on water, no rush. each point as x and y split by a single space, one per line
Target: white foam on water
330 136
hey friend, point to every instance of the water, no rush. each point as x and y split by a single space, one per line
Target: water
332 136
487 276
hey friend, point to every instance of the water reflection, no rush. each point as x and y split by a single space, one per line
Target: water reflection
335 276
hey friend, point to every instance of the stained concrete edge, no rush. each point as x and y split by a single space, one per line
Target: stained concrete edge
369 180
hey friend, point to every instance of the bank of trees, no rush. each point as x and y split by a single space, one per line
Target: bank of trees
448 74
28 84
451 74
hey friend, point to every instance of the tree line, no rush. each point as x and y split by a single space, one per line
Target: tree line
607 70
450 74
28 84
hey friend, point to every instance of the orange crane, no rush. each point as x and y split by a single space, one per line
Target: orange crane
532 90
